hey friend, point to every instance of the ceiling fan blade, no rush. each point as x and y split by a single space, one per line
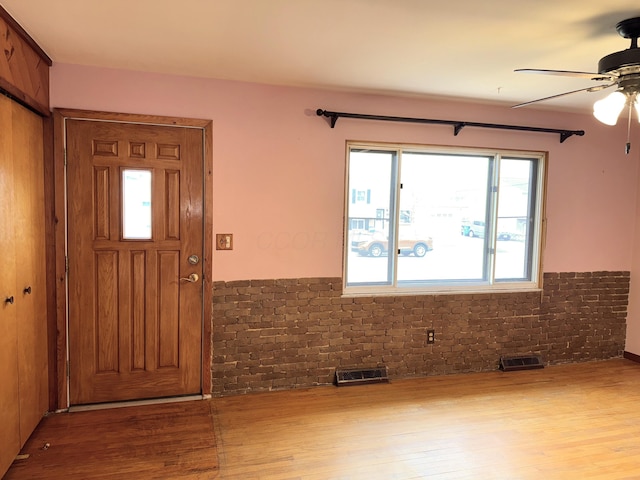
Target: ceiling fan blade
569 73
588 89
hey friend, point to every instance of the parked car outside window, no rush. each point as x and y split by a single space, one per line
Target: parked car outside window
376 244
473 228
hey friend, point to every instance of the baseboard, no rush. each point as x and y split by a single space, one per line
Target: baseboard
631 356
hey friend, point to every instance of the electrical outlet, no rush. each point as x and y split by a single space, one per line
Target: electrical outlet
431 336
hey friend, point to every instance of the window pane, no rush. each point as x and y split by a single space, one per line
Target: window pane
515 213
445 200
136 204
370 210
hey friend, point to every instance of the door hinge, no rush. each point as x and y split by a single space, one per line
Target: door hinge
68 374
66 264
65 157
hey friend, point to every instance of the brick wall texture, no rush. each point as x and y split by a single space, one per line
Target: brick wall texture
292 333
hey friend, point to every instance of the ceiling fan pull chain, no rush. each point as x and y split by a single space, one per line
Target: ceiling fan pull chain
627 147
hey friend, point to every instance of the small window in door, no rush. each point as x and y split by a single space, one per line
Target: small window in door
136 204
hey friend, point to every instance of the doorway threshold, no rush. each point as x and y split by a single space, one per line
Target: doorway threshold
135 403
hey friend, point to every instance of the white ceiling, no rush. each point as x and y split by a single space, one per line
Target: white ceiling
463 48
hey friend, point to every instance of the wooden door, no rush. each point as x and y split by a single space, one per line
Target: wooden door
9 410
30 288
135 303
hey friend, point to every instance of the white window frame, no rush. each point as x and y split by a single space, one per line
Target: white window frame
536 245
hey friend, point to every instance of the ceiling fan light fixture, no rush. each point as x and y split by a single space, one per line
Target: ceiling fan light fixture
608 109
620 69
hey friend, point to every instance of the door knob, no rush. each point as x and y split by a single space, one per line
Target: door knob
27 291
193 278
9 300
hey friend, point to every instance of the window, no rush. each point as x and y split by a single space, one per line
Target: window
440 219
136 204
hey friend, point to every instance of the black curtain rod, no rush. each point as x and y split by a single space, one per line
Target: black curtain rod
457 125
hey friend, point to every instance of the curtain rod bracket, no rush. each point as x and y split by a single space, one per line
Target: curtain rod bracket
457 125
331 115
567 134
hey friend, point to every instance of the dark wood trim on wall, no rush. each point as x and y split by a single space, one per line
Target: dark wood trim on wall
50 245
24 67
631 356
59 284
6 16
207 314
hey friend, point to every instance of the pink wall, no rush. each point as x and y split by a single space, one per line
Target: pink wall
279 169
633 314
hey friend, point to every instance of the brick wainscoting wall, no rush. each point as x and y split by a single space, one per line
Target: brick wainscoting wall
290 333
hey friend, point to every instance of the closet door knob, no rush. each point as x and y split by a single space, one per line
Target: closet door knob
27 291
9 300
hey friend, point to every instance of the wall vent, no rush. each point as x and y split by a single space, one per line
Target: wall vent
361 376
525 362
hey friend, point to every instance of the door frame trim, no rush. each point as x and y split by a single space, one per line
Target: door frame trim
59 316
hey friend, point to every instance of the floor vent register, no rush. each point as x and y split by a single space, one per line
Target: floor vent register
361 376
526 362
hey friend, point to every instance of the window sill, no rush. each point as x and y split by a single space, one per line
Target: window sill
442 291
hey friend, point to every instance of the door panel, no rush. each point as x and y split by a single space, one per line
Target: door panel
29 218
23 326
134 326
9 410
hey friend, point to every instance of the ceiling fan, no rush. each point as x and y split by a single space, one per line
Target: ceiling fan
621 69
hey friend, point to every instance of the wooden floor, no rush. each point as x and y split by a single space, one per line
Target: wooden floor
162 441
578 421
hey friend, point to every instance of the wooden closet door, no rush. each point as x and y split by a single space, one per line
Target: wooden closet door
29 218
9 414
